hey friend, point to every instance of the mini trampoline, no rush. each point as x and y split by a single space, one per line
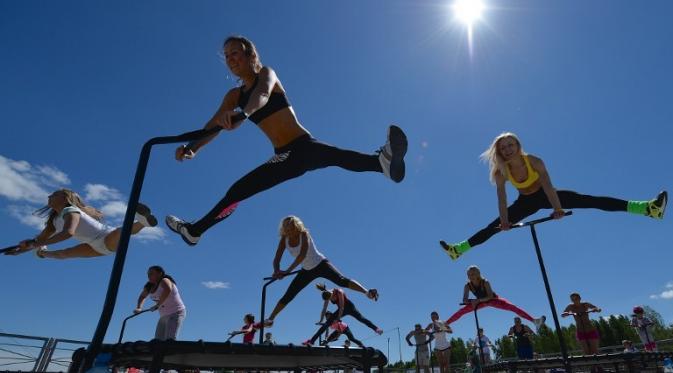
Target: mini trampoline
156 355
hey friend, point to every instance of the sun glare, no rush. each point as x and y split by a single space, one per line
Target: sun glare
468 11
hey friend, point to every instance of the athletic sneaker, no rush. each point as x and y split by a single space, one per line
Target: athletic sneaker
373 294
307 343
268 323
144 216
450 250
657 206
179 226
379 331
391 155
539 322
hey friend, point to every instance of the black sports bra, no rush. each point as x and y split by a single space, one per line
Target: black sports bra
277 101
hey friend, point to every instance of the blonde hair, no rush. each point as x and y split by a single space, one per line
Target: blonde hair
291 221
493 157
248 48
73 199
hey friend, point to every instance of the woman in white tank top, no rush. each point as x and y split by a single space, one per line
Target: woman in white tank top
442 345
162 289
298 241
68 216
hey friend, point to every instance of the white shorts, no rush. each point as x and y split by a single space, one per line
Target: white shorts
98 244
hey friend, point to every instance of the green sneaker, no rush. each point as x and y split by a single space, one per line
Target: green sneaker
451 250
657 206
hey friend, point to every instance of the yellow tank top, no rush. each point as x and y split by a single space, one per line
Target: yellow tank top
533 176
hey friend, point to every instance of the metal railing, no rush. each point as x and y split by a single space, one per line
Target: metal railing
36 354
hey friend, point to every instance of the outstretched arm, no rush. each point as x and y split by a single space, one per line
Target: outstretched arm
279 255
466 294
221 118
266 80
141 301
322 312
70 223
167 287
502 201
341 302
489 292
26 245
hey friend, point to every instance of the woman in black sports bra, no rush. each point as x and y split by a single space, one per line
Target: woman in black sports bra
262 99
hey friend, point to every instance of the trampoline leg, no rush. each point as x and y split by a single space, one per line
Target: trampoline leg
157 360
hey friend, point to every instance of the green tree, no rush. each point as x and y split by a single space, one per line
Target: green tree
505 348
458 351
606 333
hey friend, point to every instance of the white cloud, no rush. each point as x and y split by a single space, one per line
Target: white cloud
20 182
24 214
216 284
100 192
667 294
114 210
52 176
151 234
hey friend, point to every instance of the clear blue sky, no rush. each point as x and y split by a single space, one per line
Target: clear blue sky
586 85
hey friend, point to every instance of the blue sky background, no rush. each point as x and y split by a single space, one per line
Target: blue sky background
586 85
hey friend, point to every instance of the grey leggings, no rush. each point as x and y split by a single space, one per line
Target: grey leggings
168 326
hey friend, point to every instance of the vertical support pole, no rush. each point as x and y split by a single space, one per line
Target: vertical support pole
557 325
263 309
43 351
481 348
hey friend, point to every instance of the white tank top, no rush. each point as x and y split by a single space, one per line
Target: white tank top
441 342
88 229
313 256
172 304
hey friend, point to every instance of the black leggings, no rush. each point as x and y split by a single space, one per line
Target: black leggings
527 205
336 334
292 160
325 270
349 309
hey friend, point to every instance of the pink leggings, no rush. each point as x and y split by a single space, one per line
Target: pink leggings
500 303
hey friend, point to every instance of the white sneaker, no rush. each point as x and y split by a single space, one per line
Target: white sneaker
391 155
179 226
539 322
144 216
268 323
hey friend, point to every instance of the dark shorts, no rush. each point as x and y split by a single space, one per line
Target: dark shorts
525 352
587 336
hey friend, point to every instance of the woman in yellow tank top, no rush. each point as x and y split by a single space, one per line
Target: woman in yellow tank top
527 173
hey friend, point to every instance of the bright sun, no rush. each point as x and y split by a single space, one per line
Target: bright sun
467 11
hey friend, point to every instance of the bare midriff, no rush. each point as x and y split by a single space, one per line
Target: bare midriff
282 127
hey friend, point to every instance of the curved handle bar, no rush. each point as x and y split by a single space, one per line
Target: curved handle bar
8 250
583 312
538 221
121 334
288 274
192 135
